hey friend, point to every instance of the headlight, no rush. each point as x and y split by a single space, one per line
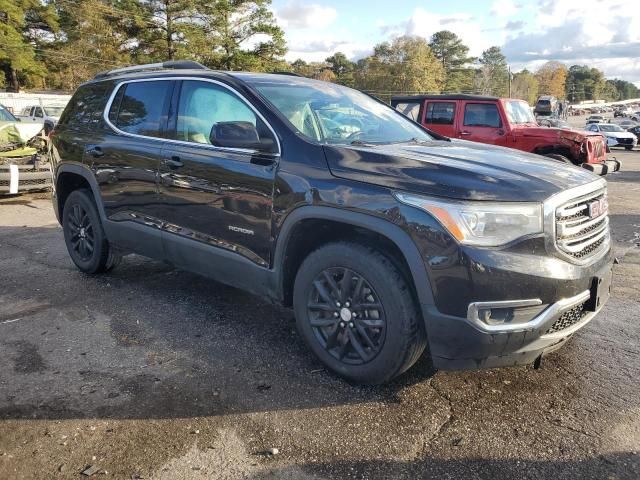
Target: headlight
484 224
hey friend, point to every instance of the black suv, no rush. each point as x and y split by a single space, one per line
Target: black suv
384 237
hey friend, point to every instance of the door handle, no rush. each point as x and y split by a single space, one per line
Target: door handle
173 162
95 151
465 133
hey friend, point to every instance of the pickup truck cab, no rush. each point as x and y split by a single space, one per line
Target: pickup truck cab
48 115
505 122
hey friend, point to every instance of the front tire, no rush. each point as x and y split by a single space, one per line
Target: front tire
84 236
356 312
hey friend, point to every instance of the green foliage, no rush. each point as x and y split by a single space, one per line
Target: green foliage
525 86
454 56
492 78
406 64
23 25
342 68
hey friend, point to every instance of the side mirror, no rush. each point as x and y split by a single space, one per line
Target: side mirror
239 135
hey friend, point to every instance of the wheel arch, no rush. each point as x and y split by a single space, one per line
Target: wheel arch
307 228
70 177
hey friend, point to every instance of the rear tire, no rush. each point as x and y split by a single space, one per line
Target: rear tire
628 148
84 236
367 328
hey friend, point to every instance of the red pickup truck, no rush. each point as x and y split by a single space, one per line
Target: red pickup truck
506 122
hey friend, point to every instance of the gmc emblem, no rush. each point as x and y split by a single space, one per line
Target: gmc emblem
598 207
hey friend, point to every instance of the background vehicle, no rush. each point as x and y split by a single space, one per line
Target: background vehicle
595 119
553 123
508 123
546 105
635 116
48 115
627 123
636 131
616 136
22 165
319 197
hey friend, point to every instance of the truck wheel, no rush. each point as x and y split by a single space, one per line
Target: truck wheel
356 312
84 236
561 158
628 148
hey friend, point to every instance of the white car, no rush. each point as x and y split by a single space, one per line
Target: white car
45 114
616 135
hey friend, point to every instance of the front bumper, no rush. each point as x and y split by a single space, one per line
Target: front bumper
459 343
19 178
621 142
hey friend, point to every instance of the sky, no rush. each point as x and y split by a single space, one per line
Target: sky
600 33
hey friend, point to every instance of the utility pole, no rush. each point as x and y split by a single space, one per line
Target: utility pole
509 69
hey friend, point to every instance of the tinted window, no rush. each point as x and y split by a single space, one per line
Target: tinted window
481 115
86 107
202 105
142 108
440 113
411 110
333 114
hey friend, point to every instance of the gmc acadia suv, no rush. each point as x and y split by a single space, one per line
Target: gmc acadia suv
383 236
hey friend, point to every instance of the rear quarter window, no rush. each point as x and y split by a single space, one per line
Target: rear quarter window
86 107
410 109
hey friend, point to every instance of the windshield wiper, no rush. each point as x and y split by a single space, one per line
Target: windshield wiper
360 143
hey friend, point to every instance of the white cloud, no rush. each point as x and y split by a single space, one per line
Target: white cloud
504 8
300 15
424 23
573 34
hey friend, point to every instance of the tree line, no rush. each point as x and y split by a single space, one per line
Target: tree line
57 44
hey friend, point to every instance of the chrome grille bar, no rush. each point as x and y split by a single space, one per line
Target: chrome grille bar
577 235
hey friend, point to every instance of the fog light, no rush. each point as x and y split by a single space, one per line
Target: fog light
509 315
505 313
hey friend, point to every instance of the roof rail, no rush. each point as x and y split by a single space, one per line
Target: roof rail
172 64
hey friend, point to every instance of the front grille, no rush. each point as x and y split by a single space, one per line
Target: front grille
625 141
568 319
582 226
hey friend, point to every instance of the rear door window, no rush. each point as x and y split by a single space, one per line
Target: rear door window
410 109
481 115
440 113
142 107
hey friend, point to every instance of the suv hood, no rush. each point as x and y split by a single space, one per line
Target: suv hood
457 169
576 135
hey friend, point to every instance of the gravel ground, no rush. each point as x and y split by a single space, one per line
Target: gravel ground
150 372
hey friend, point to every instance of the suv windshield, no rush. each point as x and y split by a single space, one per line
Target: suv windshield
519 112
611 128
334 114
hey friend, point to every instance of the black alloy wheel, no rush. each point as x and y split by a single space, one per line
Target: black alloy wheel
346 316
356 311
82 235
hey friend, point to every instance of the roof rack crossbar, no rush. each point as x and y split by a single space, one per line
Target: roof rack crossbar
172 64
